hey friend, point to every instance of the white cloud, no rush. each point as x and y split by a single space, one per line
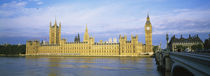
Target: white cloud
73 19
182 21
12 8
14 4
104 19
39 3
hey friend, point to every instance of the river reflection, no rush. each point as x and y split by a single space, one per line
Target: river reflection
77 66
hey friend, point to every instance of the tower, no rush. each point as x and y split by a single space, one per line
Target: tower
77 38
86 35
110 40
209 36
167 38
122 41
148 35
55 33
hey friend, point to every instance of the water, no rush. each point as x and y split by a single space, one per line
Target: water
78 66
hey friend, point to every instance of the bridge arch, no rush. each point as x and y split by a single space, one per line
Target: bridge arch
183 64
178 70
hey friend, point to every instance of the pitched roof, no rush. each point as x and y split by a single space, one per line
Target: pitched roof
190 39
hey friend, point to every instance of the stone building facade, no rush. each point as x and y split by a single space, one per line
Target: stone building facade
187 43
89 47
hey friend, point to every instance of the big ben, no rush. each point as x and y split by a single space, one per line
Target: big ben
148 35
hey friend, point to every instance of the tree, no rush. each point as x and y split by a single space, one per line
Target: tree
155 48
12 49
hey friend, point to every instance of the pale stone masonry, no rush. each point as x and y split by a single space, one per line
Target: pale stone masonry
89 47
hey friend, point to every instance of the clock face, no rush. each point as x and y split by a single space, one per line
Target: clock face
147 28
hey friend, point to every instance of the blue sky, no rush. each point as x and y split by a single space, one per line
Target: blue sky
22 20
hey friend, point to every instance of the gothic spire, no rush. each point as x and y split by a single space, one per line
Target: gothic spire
167 38
59 24
55 22
181 36
86 35
86 29
209 36
189 36
78 38
50 23
148 19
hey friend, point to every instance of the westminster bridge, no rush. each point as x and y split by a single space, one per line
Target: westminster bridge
183 63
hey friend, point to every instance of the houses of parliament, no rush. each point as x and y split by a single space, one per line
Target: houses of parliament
88 47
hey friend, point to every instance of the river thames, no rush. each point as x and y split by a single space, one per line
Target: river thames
78 66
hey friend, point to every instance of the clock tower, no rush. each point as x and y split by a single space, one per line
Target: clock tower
148 36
